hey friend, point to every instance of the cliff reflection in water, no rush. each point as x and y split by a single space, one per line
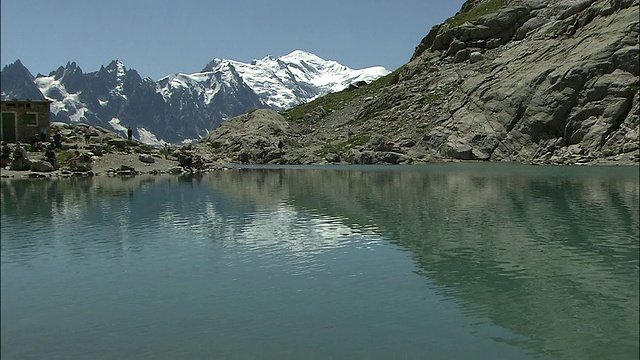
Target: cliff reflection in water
549 253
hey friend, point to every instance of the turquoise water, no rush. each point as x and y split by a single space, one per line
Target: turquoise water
459 261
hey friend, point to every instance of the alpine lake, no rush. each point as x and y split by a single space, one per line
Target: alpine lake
442 261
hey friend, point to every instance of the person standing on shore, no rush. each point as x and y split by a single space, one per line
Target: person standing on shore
57 140
50 155
87 134
129 133
43 134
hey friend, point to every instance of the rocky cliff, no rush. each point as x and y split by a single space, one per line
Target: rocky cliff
541 81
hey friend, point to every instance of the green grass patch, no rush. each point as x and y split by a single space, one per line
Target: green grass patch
338 100
341 147
432 97
63 156
488 7
359 140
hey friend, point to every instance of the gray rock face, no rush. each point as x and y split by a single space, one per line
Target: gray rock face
565 73
542 81
570 79
250 138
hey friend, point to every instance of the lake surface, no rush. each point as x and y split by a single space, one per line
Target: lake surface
457 261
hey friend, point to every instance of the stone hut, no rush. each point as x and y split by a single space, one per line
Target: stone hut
22 120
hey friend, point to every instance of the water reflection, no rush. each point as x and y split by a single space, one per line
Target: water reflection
549 253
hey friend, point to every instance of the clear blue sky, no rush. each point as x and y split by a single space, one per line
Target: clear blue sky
162 37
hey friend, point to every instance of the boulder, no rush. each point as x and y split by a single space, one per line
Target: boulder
20 165
458 149
461 55
146 158
118 143
41 166
332 158
390 157
381 143
475 57
82 167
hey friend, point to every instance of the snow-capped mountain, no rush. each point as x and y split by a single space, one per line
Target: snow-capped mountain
296 78
181 106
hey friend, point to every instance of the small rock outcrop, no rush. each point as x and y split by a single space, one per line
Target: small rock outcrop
42 166
251 138
146 158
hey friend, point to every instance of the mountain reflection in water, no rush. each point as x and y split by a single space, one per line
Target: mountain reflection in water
550 253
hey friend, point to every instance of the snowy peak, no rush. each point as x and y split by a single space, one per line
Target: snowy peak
328 73
296 78
212 65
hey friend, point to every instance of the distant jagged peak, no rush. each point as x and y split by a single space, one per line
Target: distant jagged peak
224 64
212 65
69 70
71 65
117 67
16 82
266 58
17 67
16 64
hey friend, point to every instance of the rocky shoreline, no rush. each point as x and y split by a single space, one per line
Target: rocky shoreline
109 154
113 156
253 138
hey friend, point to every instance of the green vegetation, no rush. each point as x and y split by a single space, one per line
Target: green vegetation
337 148
479 11
336 101
359 140
63 156
433 96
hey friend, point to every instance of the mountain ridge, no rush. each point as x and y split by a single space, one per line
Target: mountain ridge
179 107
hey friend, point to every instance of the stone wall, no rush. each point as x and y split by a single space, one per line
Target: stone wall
22 120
